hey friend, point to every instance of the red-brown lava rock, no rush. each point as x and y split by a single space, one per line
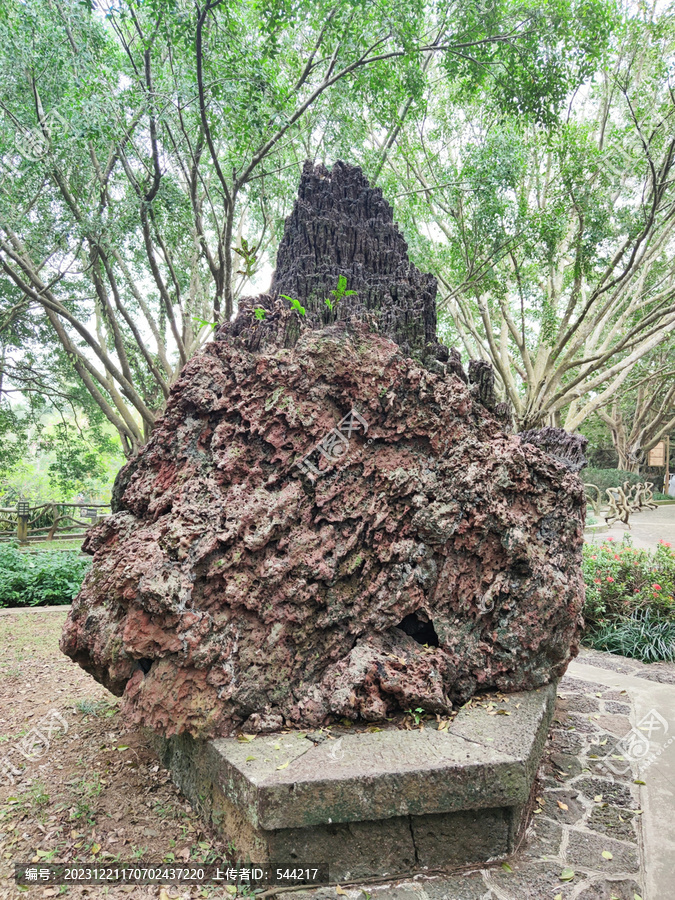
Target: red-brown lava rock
437 558
419 556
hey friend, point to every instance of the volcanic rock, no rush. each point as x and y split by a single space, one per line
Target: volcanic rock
431 557
329 520
341 228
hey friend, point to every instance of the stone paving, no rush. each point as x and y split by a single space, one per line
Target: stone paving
647 528
585 838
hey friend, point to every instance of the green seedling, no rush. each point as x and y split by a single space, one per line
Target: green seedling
295 304
337 294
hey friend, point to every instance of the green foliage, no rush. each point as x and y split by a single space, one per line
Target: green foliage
630 599
338 293
259 313
166 133
43 578
645 636
13 438
64 456
77 460
250 259
295 304
608 478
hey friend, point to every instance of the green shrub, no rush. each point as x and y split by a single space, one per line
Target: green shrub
44 578
630 599
646 636
606 478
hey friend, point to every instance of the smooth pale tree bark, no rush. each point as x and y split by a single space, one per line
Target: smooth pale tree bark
555 250
639 428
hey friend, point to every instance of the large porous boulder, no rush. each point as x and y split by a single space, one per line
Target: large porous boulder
330 520
249 579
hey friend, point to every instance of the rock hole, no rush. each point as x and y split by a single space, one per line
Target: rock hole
419 630
146 665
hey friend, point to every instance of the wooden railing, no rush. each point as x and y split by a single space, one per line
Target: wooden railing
32 524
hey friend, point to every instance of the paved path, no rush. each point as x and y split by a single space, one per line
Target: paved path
655 768
647 528
589 804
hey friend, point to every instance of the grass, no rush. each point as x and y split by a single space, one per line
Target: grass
645 636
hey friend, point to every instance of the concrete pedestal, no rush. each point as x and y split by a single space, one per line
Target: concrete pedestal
387 803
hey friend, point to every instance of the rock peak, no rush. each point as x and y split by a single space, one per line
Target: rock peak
342 228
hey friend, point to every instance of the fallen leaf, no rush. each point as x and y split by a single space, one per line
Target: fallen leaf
341 891
597 798
637 781
245 738
567 874
503 712
558 897
607 855
636 896
563 805
249 758
506 867
95 848
284 765
122 748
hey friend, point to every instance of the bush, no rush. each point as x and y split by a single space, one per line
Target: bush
630 599
44 578
606 478
643 636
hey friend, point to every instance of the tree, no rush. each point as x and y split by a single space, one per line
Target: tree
644 413
554 243
141 141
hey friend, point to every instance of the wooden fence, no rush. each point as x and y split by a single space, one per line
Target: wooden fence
33 524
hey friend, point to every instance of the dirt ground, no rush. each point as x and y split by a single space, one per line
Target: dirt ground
96 792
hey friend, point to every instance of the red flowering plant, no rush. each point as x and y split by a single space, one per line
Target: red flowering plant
621 580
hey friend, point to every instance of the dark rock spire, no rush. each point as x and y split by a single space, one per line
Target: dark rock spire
340 227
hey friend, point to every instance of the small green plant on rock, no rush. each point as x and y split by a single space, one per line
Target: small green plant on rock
295 304
337 294
416 714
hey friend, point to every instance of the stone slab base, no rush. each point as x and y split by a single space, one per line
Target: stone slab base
378 804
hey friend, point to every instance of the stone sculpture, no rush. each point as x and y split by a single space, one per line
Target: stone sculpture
329 520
